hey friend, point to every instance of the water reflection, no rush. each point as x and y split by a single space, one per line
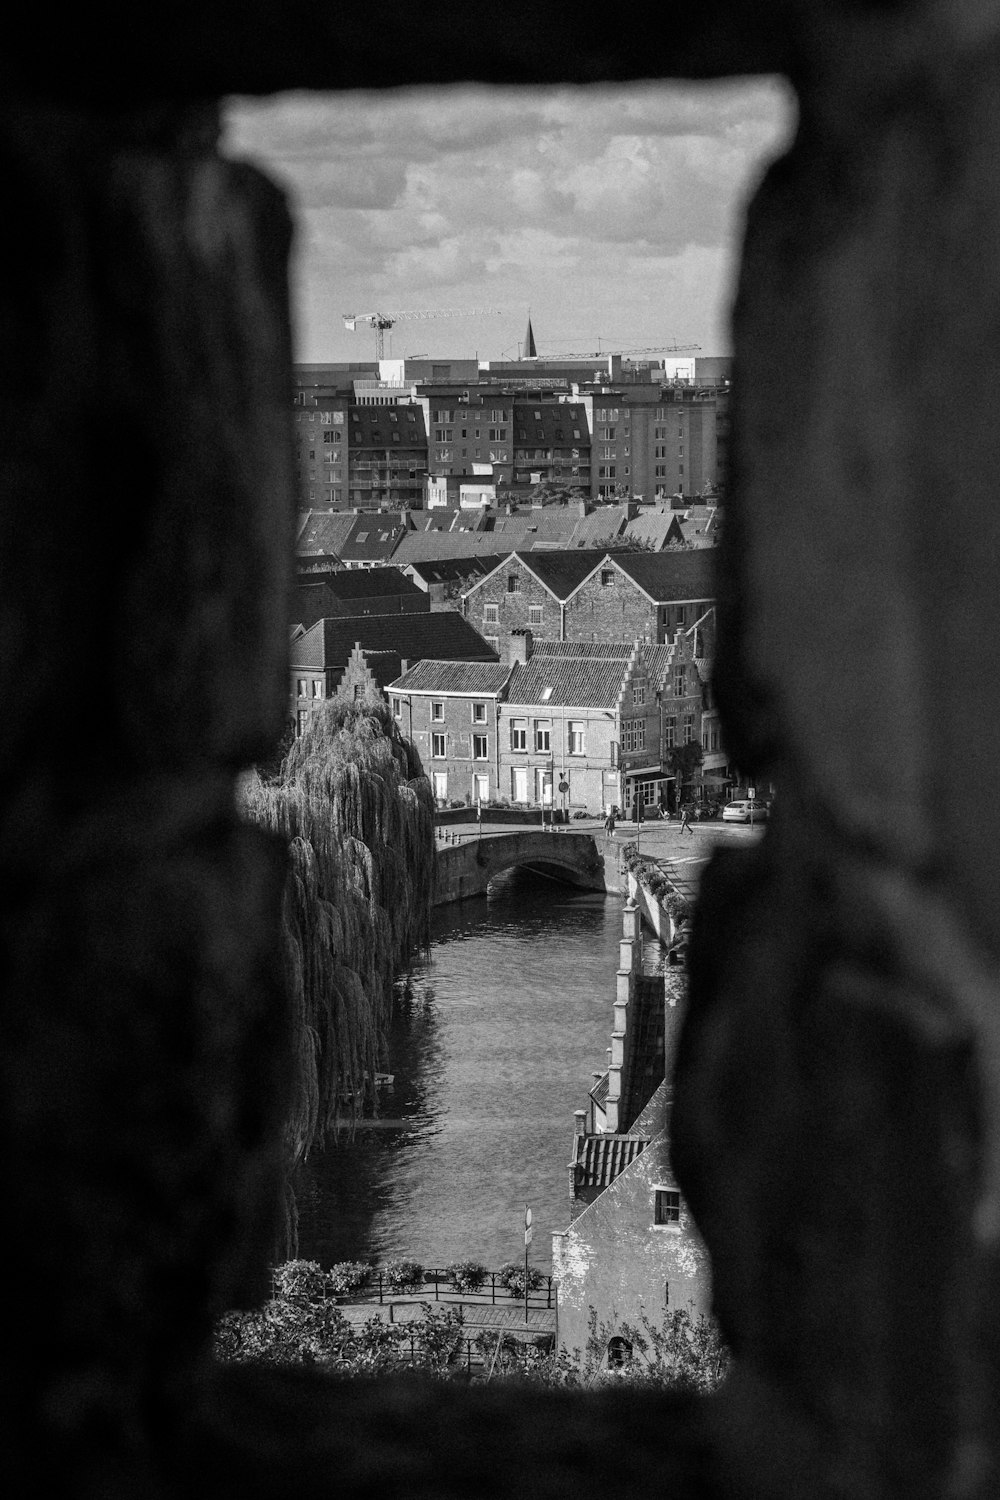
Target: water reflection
493 1046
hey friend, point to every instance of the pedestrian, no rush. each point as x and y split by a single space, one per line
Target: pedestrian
686 820
609 823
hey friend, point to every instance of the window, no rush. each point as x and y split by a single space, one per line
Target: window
519 734
438 746
480 747
535 614
443 434
633 734
493 641
302 719
397 708
619 1352
607 577
680 681
513 584
666 1206
479 713
638 693
437 712
681 615
606 472
481 788
543 729
362 536
302 687
317 688
577 737
688 728
440 781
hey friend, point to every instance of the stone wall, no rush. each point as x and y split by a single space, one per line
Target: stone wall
837 1125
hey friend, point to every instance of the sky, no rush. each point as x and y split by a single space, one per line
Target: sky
613 214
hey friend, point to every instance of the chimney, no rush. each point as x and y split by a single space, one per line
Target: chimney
579 1122
520 646
404 665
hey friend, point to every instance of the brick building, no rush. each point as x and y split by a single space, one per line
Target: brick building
640 595
552 441
319 656
449 711
527 591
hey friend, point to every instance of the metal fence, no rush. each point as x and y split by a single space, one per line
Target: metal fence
492 1291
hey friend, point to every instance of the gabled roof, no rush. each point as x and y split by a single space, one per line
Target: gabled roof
668 576
568 682
598 650
441 634
558 570
325 532
600 1158
451 569
372 538
361 583
657 528
426 546
453 677
601 526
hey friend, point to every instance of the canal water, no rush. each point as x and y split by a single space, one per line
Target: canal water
497 1035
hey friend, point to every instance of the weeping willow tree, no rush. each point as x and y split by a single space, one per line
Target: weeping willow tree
357 813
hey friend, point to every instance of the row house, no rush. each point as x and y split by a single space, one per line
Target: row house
319 655
592 595
649 595
449 711
567 725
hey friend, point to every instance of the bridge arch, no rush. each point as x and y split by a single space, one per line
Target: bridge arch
466 869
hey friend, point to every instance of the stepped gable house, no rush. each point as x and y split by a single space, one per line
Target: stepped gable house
640 595
527 592
319 655
449 709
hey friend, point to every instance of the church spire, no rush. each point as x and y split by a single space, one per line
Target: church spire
530 352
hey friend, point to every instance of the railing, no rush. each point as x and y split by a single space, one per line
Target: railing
491 1294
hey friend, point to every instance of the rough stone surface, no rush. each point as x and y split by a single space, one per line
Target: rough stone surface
837 1124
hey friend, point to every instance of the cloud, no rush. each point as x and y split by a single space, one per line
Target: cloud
587 203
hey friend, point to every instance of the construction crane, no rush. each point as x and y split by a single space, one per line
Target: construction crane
380 321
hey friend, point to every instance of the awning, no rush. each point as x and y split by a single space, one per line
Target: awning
652 773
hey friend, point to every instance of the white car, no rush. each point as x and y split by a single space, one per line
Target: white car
744 812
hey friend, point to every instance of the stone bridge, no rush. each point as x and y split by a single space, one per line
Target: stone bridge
466 869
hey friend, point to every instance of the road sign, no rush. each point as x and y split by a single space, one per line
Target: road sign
564 786
527 1217
751 792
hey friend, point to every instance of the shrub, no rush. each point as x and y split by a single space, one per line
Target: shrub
348 1276
402 1275
511 1276
299 1281
467 1275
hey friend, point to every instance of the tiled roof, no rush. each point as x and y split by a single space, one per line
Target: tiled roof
452 569
600 1158
372 538
427 546
443 635
602 525
671 575
363 583
572 682
325 532
597 650
453 677
564 570
656 528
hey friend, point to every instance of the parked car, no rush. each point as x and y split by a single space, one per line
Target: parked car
744 812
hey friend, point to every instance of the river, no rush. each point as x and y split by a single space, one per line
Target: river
495 1041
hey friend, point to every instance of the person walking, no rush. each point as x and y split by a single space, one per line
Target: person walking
686 820
609 823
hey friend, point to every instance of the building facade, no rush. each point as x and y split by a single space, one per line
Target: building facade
449 711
